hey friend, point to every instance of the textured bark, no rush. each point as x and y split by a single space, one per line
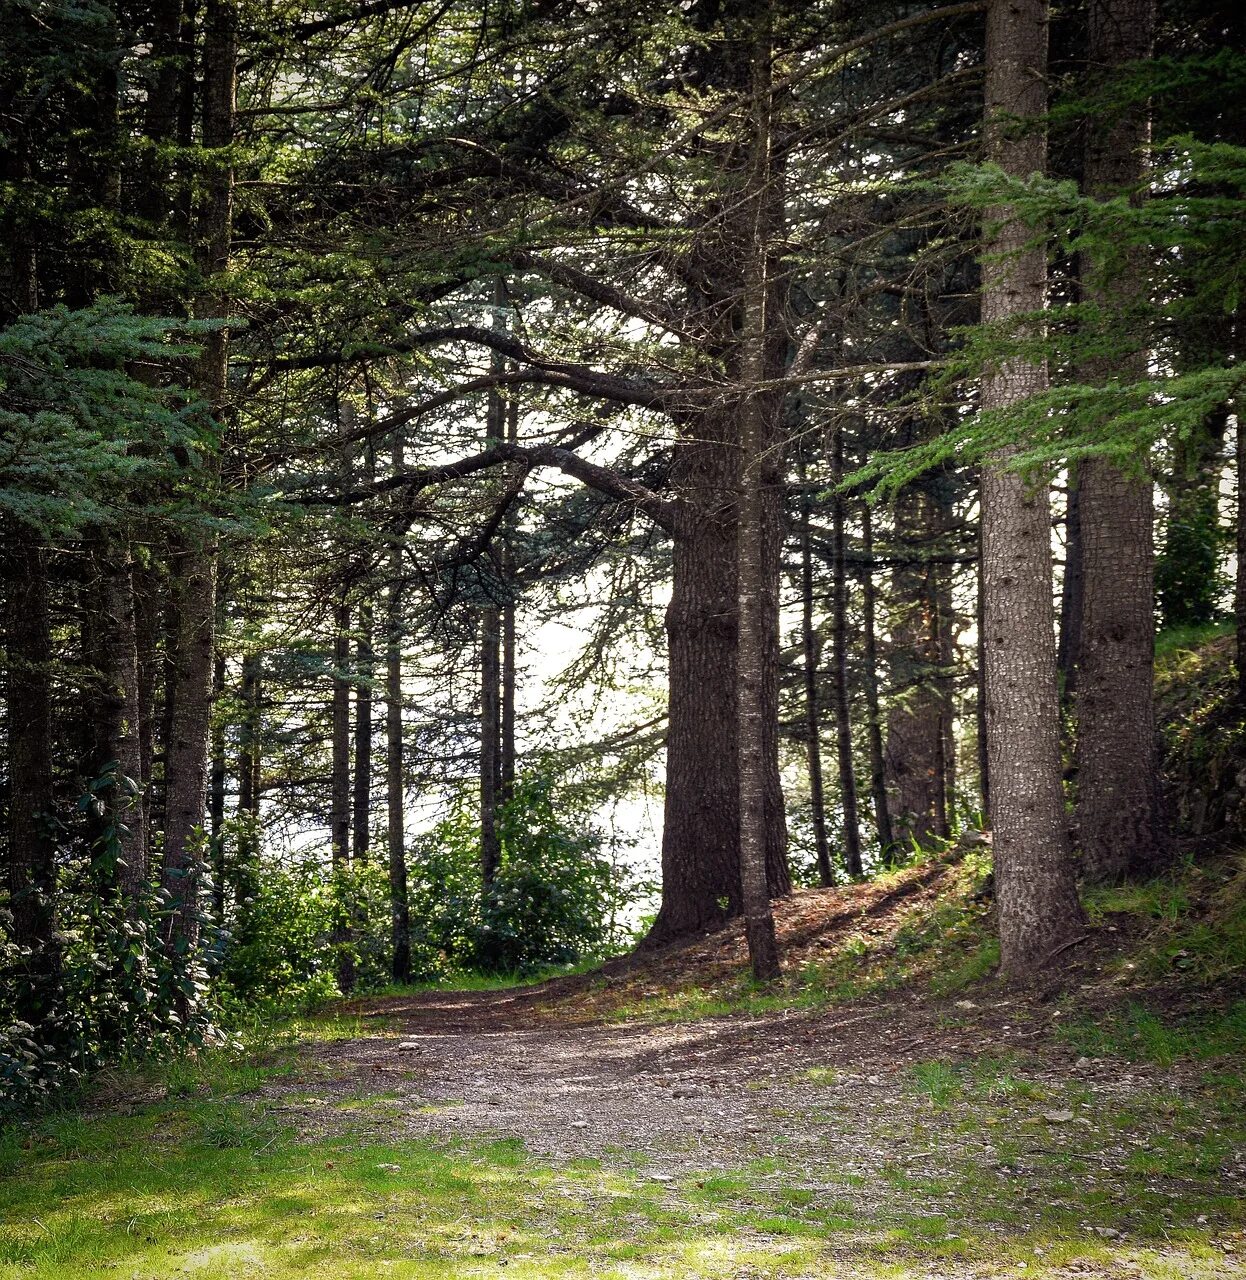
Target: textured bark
490 741
980 729
1118 795
869 657
31 869
751 640
839 664
1034 890
123 746
399 912
813 720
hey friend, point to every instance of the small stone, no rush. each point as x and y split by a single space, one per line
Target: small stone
390 1168
1057 1117
685 1091
409 1046
966 1004
661 1177
579 1124
1108 1233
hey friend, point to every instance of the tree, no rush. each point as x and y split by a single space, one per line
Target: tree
1118 802
1034 888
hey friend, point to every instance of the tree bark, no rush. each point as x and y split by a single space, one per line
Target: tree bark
250 765
1118 795
751 641
399 911
1034 890
813 718
490 726
916 725
361 800
839 663
123 745
869 657
217 770
196 555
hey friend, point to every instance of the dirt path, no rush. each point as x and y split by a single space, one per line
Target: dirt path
935 1110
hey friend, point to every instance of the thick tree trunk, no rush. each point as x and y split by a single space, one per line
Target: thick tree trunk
701 832
399 913
1118 794
1034 890
980 718
839 664
813 719
31 865
878 765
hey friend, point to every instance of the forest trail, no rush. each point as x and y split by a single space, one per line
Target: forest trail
939 1124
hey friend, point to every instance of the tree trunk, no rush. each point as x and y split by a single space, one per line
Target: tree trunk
1118 801
361 804
878 767
839 663
751 640
339 778
217 769
1239 594
31 864
195 557
813 730
490 726
1034 890
507 771
980 729
916 765
123 747
250 764
1072 588
399 913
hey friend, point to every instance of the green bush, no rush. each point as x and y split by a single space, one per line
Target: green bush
555 898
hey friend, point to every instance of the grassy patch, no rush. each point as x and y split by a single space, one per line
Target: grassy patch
220 1187
1141 1035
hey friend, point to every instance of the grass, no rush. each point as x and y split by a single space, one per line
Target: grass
1141 1035
220 1187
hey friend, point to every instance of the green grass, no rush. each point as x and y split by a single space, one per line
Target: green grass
1140 1035
213 1182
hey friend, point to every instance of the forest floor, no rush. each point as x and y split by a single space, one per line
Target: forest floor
661 1118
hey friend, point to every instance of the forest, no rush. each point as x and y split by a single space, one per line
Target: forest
698 544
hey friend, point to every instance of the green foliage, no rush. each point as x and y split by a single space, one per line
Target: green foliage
554 900
81 433
118 993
